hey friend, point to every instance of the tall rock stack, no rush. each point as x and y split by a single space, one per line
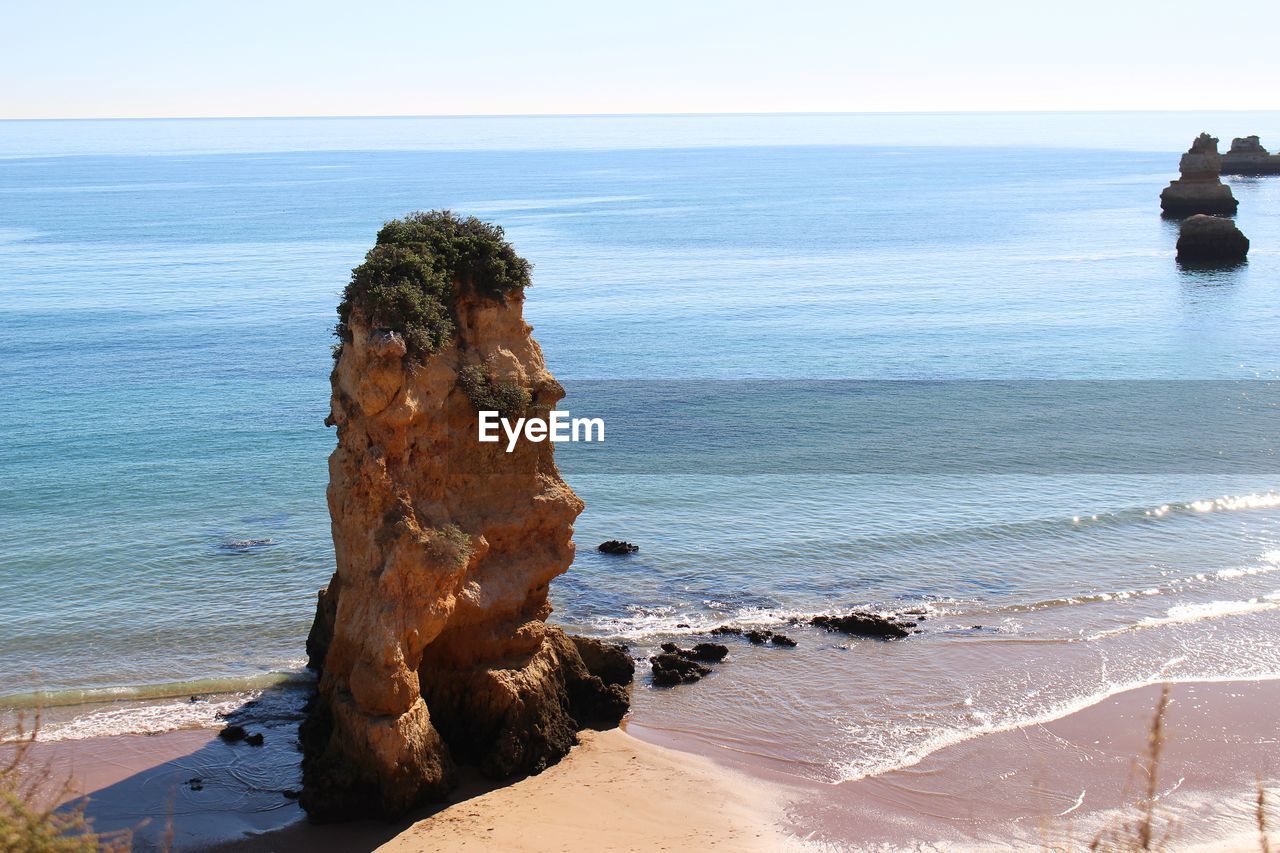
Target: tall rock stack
430 640
1199 189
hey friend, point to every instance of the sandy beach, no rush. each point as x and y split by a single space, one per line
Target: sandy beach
614 792
1055 785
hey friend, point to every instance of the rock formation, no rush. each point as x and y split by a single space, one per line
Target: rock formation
1211 240
1199 189
430 640
1248 157
863 623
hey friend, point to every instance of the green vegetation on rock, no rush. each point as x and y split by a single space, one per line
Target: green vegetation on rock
408 279
509 399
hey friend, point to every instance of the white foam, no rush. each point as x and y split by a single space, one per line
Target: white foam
888 753
147 719
1186 613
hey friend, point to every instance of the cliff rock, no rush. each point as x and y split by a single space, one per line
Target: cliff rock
1211 240
1248 157
1199 189
430 640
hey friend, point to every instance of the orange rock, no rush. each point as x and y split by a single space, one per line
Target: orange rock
430 639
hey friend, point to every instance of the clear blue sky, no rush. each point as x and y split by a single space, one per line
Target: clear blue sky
66 58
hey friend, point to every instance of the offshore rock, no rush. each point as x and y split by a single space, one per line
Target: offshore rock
865 624
1204 240
616 546
1248 157
670 668
430 641
709 652
1199 189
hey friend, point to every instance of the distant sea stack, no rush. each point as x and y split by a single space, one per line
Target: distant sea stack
1248 157
430 640
1211 240
1198 190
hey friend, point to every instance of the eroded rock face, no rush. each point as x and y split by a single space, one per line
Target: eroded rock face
430 639
1199 189
1248 157
1211 240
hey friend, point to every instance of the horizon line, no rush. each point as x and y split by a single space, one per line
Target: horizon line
692 114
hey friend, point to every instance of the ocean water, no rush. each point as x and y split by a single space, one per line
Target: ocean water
944 363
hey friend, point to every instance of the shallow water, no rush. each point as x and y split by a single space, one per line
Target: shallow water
168 291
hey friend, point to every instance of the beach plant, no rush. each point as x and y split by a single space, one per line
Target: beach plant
410 279
1146 830
508 399
1260 814
31 820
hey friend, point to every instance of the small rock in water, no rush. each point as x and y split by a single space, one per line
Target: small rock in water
291 794
783 640
682 625
245 544
195 783
865 624
727 629
711 652
671 669
231 734
254 739
758 636
617 546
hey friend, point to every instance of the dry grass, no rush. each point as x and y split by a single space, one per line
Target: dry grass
1146 827
1260 811
30 820
1146 830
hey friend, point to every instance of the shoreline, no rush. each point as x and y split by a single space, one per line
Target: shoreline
1070 777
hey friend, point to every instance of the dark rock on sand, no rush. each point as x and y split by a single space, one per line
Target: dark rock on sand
617 546
1198 190
782 640
232 734
671 669
1211 240
865 624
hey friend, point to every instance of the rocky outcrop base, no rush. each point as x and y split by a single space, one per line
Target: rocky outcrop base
1248 157
1211 240
1181 199
512 720
1198 189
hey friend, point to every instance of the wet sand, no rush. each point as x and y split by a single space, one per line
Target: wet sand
1062 784
614 792
1054 785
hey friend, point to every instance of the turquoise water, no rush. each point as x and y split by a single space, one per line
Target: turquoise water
167 293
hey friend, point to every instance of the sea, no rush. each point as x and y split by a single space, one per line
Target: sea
944 366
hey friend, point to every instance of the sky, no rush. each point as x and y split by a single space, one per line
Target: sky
143 58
